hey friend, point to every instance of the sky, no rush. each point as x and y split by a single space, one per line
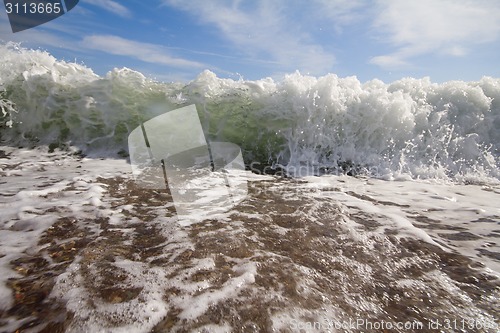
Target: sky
175 40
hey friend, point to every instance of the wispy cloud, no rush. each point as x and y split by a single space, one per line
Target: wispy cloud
420 27
262 29
146 52
111 6
341 13
40 38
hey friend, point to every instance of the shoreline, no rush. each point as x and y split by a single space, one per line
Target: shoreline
110 255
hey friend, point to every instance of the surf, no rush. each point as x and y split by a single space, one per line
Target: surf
408 129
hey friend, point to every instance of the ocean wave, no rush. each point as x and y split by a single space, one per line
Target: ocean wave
410 128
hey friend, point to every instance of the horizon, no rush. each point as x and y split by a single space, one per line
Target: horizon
173 40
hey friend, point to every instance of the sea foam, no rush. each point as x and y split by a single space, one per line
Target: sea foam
411 128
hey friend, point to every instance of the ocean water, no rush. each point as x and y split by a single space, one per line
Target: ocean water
371 206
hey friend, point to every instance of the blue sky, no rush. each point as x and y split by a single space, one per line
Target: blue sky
174 40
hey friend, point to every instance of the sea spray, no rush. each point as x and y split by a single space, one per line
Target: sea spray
8 108
411 128
66 103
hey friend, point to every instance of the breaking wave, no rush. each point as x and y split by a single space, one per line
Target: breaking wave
411 128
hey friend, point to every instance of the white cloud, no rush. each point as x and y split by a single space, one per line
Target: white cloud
341 12
262 29
146 52
390 61
111 6
450 27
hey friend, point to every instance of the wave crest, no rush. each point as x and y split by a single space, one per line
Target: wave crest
411 127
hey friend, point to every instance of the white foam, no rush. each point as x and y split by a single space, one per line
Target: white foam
411 128
400 205
195 305
140 314
42 181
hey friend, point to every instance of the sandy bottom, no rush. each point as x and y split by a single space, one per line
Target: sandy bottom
84 249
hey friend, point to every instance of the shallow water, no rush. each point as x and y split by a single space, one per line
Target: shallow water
84 249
